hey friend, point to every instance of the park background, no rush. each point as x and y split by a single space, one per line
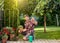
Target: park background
45 12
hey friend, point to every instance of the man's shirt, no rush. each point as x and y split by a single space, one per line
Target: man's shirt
29 26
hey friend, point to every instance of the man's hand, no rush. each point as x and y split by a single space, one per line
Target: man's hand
19 31
24 30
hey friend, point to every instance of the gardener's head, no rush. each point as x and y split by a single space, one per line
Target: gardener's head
26 17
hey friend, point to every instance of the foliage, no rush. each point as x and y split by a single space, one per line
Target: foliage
5 36
11 30
38 7
6 31
28 6
11 13
20 26
50 7
31 7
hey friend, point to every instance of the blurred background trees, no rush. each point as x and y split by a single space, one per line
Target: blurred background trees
11 13
47 11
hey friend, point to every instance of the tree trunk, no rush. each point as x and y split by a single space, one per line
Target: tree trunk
57 20
44 23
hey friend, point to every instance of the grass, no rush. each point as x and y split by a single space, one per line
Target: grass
52 33
49 28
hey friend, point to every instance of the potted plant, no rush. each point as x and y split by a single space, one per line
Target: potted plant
4 38
5 33
19 30
11 32
20 37
12 35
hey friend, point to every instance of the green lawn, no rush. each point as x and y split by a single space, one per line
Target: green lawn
52 33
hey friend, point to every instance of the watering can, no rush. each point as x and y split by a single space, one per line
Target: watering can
30 38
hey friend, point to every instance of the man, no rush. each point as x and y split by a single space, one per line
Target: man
29 26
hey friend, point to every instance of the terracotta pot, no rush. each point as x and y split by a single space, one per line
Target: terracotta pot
12 36
4 40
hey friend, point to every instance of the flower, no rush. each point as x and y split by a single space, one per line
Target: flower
6 31
14 29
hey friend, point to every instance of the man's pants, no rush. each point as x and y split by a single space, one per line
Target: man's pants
28 34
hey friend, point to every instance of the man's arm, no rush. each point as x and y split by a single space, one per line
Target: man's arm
34 21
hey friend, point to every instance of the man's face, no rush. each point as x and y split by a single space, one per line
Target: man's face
26 18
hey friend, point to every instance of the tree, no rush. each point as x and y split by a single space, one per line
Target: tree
44 7
28 6
41 9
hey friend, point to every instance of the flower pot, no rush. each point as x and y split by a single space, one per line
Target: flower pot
4 40
12 36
